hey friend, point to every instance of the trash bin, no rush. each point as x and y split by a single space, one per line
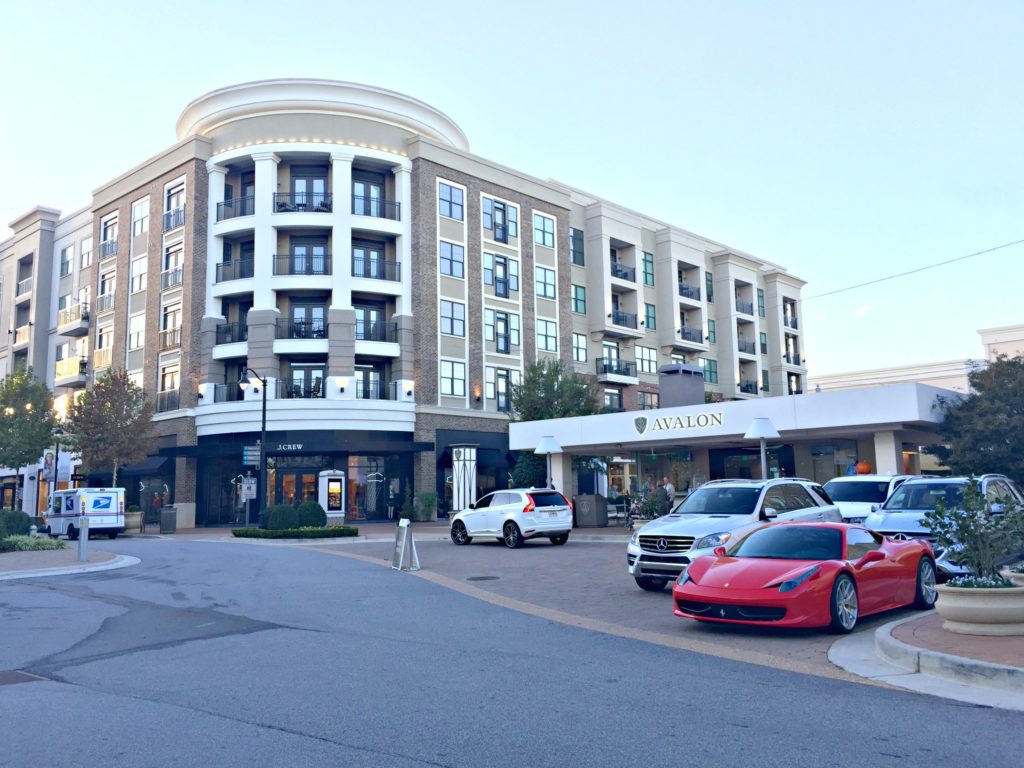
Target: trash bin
168 519
591 511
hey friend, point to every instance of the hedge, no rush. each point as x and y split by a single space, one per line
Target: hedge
14 523
335 531
311 515
29 544
280 517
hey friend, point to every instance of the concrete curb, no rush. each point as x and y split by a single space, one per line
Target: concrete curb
945 665
121 561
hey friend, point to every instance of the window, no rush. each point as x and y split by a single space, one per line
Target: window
547 335
107 282
452 258
579 299
764 343
764 380
503 329
87 252
648 263
174 199
648 400
501 219
171 317
453 378
449 201
711 332
138 275
140 217
453 318
678 359
760 302
497 383
579 347
576 246
647 359
169 378
502 273
544 230
105 337
650 320
66 257
136 331
613 400
108 230
545 282
710 368
709 287
174 256
858 543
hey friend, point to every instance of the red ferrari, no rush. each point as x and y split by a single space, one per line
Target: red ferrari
807 575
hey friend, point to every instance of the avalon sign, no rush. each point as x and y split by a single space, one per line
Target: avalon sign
665 423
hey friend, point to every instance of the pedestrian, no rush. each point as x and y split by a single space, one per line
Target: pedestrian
669 489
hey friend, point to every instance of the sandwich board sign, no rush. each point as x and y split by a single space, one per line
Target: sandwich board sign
404 557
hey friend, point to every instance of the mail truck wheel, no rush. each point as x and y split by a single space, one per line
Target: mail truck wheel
72 533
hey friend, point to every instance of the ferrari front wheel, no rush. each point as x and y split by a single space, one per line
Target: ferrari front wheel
926 594
843 605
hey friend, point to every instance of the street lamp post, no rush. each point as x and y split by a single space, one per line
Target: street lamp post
244 381
547 446
762 429
58 433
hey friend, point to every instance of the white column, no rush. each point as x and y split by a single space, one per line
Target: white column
888 454
341 230
463 476
561 473
215 194
265 234
403 245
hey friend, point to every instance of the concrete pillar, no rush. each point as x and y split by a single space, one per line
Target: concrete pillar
403 244
561 473
888 453
341 230
215 194
265 236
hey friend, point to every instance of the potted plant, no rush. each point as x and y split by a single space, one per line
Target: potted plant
985 602
133 518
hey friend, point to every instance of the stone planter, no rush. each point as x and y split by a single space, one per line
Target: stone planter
974 611
132 522
1016 578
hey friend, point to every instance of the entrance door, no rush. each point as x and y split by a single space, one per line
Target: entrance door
295 486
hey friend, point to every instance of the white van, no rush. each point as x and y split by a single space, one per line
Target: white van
104 507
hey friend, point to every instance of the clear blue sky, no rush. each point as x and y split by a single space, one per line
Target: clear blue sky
845 142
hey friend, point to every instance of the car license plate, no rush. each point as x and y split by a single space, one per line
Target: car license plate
551 514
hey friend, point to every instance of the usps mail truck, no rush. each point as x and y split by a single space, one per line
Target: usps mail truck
104 508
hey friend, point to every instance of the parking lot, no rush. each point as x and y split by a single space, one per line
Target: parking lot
585 584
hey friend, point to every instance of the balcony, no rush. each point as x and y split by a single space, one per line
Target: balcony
299 202
688 291
623 272
293 391
377 269
377 331
611 366
748 387
108 248
227 393
796 391
376 207
625 319
230 333
379 390
691 334
240 206
170 278
793 358
71 372
745 307
302 265
790 322
174 219
235 270
73 320
105 302
170 338
101 358
301 329
167 401
22 334
746 347
23 288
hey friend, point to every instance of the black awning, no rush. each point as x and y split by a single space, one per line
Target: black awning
149 466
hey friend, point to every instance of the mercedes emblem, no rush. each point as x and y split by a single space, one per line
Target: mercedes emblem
662 545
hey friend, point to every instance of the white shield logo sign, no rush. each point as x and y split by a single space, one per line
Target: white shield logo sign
640 422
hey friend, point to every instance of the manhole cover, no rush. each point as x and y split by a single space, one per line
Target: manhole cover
13 676
481 578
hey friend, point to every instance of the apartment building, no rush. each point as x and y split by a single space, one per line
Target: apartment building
380 286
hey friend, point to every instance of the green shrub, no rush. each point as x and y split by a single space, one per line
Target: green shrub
426 504
134 508
280 517
14 523
311 515
335 531
30 544
407 510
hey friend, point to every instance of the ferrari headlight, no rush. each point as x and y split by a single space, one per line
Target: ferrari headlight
684 577
791 584
712 540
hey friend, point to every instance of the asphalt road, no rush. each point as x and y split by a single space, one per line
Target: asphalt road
231 654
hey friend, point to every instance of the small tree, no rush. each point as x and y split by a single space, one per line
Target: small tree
111 424
530 471
26 419
549 390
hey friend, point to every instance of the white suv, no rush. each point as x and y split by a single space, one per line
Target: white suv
715 513
514 515
856 494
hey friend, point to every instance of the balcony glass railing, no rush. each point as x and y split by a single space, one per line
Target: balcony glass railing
379 331
108 248
73 314
72 366
790 322
22 334
615 367
793 358
23 287
688 291
292 202
167 401
170 338
239 206
748 387
101 358
747 347
623 272
302 329
625 319
377 207
376 269
227 393
105 302
229 333
319 264
235 270
170 278
689 333
174 219
744 307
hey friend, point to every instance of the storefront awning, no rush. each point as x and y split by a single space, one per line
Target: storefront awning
149 466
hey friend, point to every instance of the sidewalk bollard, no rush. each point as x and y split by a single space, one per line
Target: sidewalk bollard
33 531
83 541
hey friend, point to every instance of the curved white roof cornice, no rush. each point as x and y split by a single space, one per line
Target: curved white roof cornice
329 97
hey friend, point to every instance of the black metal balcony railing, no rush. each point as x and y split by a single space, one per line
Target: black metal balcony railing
376 206
615 367
235 270
302 329
167 401
689 291
501 287
229 333
289 202
170 278
108 248
745 346
379 331
290 390
748 387
170 338
376 269
240 206
174 219
227 393
623 272
105 302
319 264
793 358
790 322
380 390
688 333
23 287
625 319
745 307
